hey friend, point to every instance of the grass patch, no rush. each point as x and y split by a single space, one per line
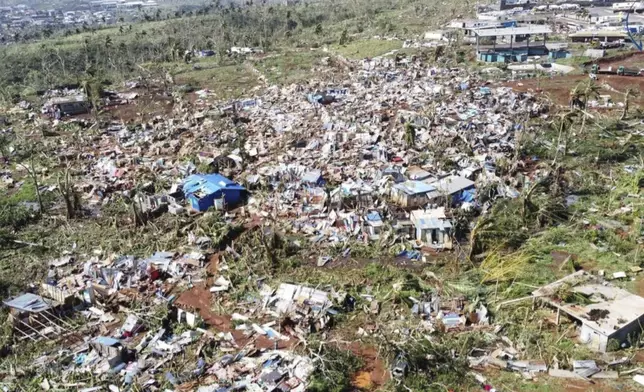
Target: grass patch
289 67
231 81
367 48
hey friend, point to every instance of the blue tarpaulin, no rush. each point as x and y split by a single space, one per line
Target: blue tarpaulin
409 254
466 196
202 190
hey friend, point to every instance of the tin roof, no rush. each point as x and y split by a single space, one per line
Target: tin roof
28 302
513 31
209 183
414 187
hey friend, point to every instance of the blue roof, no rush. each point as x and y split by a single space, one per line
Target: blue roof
414 187
107 341
373 216
209 183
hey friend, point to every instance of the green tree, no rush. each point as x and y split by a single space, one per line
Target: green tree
410 135
344 38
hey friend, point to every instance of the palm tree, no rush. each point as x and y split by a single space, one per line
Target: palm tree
630 92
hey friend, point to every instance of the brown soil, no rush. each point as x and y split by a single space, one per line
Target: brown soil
558 88
374 373
628 60
599 386
199 298
639 287
559 258
639 357
143 108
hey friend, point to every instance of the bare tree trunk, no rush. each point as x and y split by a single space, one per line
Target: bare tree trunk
68 193
34 176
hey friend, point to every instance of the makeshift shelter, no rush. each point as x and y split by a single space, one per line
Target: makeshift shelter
373 225
207 190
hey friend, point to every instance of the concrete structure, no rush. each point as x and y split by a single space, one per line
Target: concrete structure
373 225
70 105
518 49
600 35
608 313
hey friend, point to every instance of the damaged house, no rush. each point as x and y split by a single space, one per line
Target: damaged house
432 227
454 189
609 316
411 194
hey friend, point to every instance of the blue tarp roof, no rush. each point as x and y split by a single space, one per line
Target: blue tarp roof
209 183
107 341
414 187
28 302
373 216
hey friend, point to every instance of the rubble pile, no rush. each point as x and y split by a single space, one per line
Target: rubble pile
386 155
322 160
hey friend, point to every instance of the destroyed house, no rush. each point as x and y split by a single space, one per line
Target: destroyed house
109 348
313 177
32 316
411 193
69 106
609 316
207 190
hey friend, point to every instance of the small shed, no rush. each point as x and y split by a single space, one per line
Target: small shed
207 190
411 193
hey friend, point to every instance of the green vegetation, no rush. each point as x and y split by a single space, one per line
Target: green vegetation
115 54
335 369
368 48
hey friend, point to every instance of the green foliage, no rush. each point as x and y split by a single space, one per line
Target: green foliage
438 365
344 38
335 370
